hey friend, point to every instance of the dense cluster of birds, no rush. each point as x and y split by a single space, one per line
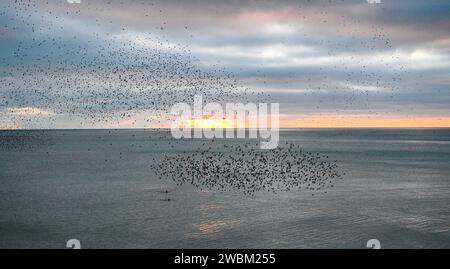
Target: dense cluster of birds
246 168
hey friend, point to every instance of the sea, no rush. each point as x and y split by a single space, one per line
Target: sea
99 187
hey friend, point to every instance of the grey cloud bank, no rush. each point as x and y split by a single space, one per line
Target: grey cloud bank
341 56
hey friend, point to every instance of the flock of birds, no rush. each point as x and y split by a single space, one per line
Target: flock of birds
99 77
101 73
244 167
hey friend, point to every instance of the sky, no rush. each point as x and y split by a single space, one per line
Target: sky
122 64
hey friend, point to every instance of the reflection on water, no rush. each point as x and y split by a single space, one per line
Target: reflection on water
209 223
209 227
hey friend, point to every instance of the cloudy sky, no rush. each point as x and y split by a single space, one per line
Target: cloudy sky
333 63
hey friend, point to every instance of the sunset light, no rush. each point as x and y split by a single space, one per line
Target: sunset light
210 123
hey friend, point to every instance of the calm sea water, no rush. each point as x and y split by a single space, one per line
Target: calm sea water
97 186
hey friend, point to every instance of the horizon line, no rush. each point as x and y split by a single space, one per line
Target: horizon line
165 128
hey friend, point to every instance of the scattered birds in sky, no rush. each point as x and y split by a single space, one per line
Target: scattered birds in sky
113 73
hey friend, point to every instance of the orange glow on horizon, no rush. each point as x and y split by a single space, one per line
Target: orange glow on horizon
337 121
364 121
